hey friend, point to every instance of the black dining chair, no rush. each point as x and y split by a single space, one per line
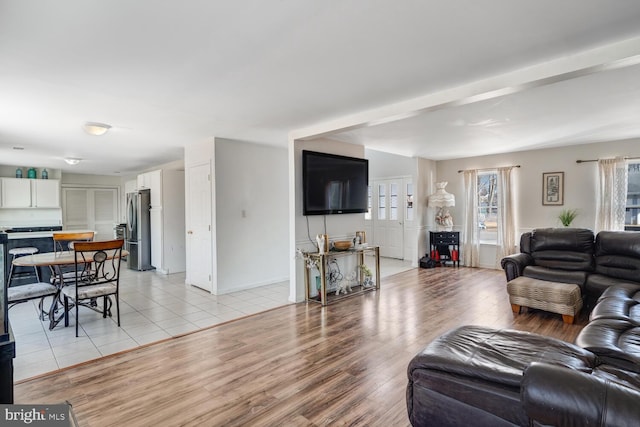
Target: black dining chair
97 276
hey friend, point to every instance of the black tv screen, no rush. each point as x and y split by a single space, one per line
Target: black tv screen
333 184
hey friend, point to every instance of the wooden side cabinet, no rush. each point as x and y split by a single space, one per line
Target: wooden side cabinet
444 247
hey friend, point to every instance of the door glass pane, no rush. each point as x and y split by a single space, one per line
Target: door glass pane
409 201
382 201
367 215
393 195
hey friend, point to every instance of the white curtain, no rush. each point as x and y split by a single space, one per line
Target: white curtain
470 235
612 194
507 239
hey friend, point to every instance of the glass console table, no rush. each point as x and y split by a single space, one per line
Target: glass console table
353 283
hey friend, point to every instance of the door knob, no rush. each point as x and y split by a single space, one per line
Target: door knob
189 232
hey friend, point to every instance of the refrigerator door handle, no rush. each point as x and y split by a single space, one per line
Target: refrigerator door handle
131 214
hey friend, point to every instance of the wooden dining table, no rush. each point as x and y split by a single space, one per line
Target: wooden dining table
54 260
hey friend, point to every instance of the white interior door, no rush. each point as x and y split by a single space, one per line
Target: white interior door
198 220
388 217
90 209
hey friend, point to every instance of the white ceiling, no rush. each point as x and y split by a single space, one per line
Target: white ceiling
167 74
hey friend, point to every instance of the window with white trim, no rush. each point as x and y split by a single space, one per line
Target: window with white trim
488 194
632 215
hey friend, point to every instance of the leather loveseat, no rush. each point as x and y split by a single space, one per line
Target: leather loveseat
573 255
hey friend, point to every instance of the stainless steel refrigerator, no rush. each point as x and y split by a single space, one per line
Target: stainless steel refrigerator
138 241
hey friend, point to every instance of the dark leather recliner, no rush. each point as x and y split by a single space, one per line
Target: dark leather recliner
555 254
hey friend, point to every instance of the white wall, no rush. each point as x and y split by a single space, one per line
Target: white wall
251 215
385 165
580 183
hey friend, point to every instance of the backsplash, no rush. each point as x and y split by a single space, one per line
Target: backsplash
30 217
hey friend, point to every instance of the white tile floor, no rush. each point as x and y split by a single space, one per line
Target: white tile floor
152 307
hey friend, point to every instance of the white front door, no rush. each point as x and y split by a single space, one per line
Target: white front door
199 237
388 217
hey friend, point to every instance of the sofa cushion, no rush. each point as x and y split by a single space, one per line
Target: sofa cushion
563 248
616 342
623 291
554 275
596 284
617 308
617 254
562 239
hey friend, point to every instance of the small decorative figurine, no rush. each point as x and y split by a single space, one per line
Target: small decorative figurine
320 239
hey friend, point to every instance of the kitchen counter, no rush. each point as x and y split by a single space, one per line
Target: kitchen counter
29 235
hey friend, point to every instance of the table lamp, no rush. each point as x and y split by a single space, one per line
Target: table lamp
442 200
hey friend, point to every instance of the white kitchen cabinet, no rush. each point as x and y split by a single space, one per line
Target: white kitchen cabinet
167 219
30 193
16 193
45 193
157 234
153 181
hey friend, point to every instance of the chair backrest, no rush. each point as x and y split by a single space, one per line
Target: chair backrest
62 239
98 262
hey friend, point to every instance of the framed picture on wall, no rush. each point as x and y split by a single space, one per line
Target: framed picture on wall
553 188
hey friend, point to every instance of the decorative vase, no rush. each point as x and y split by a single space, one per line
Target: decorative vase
32 174
45 174
19 173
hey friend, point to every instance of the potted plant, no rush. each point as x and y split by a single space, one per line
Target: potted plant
567 216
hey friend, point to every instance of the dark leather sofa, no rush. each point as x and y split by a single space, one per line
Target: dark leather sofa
573 255
477 376
486 377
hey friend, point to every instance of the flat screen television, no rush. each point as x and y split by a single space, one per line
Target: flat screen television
333 184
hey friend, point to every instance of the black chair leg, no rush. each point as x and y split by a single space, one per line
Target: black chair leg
77 314
66 311
41 309
118 308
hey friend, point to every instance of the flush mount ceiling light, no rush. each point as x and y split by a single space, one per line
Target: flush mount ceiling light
72 160
97 129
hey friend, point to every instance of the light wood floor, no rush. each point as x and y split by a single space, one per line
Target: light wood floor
299 365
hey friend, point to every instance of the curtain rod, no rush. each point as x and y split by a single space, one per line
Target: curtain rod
489 169
595 160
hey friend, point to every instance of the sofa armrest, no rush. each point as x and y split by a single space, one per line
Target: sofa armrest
514 264
555 395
